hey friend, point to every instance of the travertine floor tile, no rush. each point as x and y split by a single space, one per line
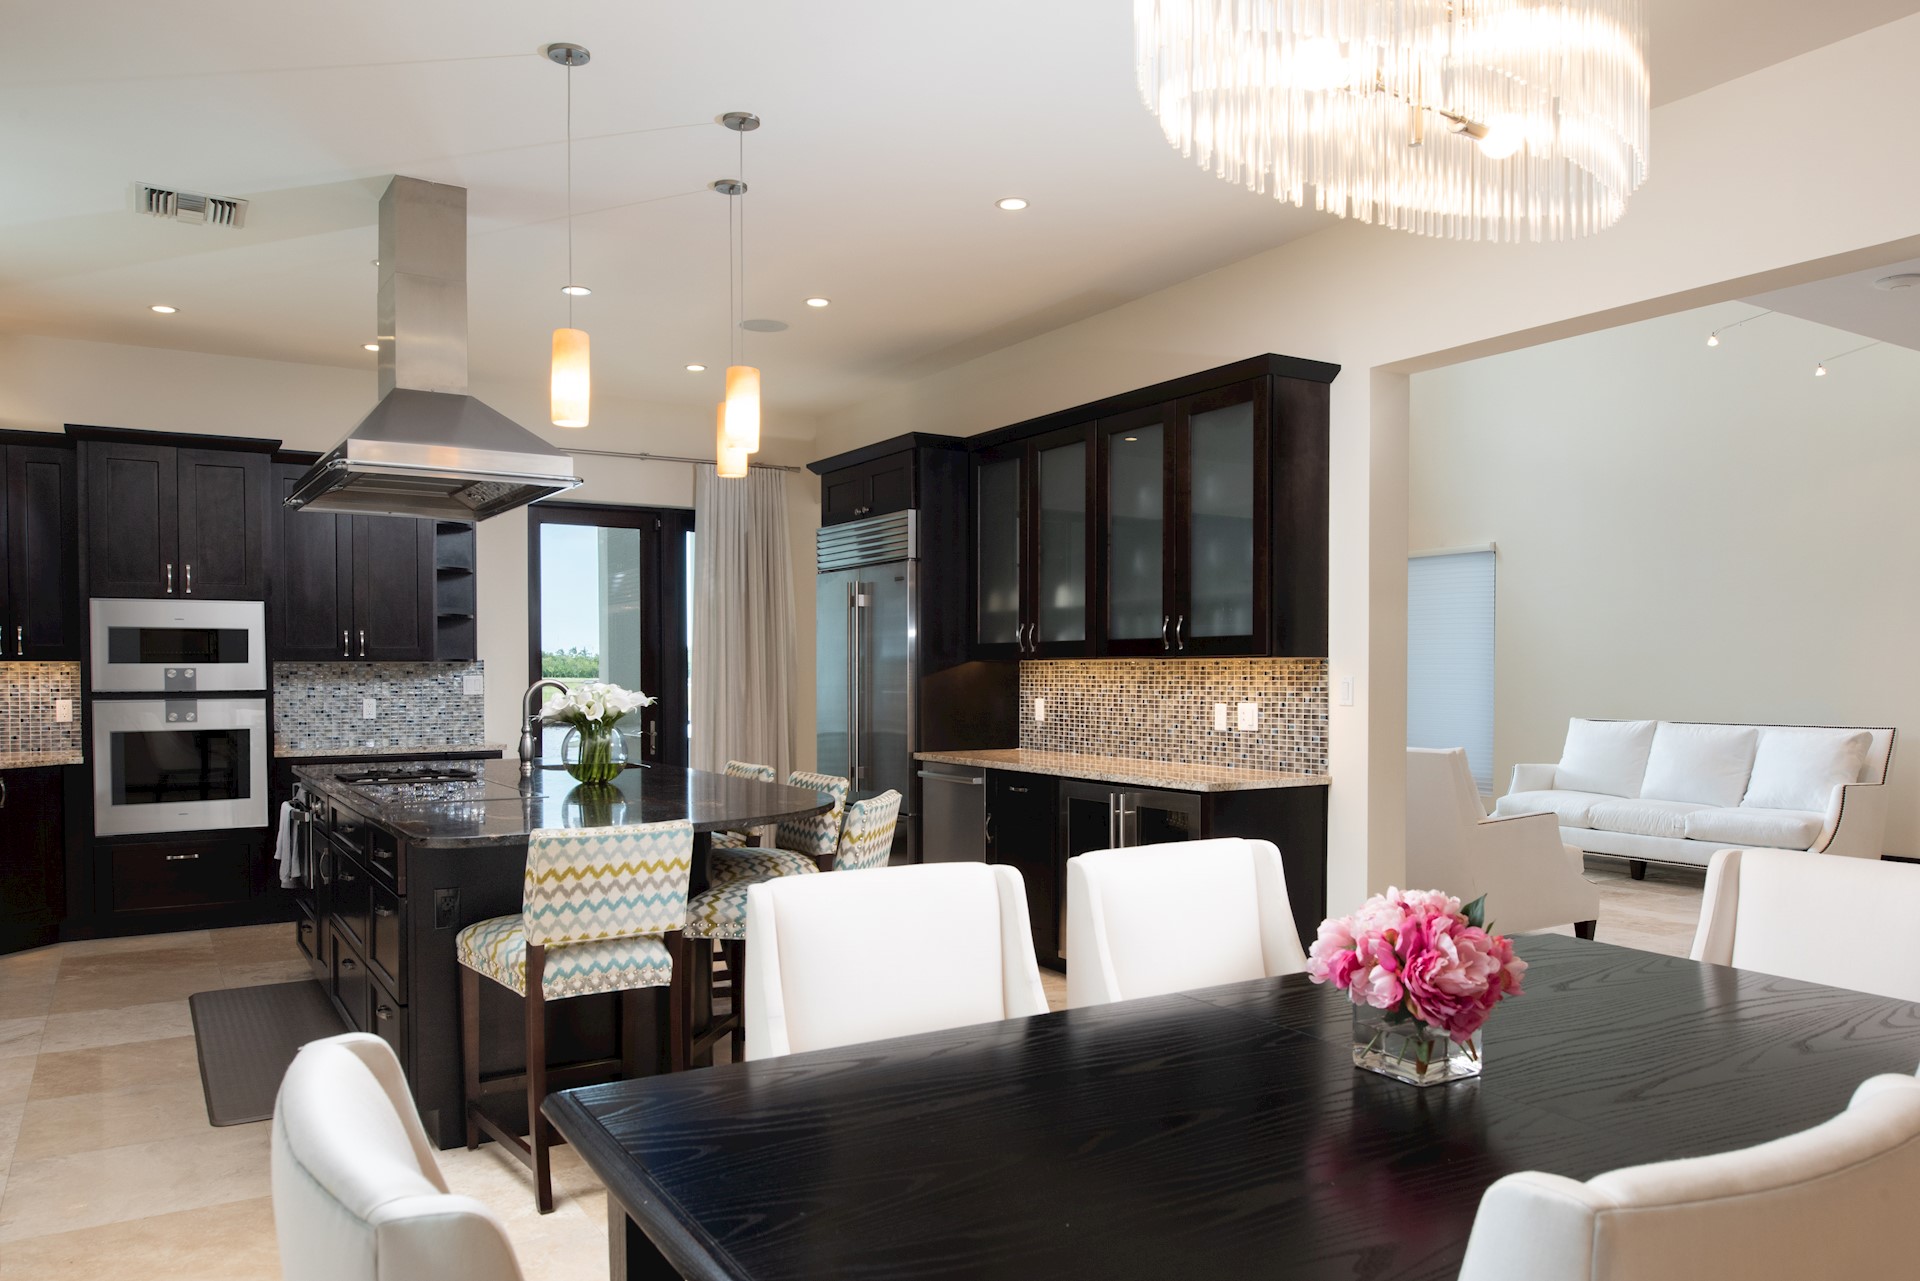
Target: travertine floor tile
142 964
134 943
116 991
86 1189
83 1029
257 973
235 1240
105 1069
20 1038
168 1108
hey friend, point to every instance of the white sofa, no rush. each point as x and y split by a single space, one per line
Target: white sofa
1678 791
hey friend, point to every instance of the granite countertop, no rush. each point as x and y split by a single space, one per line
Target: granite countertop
38 760
283 751
494 805
1125 770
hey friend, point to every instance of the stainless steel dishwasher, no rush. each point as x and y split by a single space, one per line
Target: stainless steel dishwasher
953 813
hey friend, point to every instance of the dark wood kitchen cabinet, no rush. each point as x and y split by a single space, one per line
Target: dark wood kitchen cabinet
32 857
876 488
1202 531
39 549
169 519
353 588
915 472
1033 557
1022 832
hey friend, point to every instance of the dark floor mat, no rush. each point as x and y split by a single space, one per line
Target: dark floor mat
246 1038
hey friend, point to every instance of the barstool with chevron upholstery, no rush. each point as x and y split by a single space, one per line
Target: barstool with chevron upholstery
759 774
720 912
604 910
814 837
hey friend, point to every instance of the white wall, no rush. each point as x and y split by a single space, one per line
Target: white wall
48 382
1688 533
1749 180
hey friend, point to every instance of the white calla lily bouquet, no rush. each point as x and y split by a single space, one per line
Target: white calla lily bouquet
594 705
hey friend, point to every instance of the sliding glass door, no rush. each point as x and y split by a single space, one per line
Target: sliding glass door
610 600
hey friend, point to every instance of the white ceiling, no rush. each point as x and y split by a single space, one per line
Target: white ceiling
1853 304
890 130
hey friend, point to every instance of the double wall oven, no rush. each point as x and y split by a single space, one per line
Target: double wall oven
179 715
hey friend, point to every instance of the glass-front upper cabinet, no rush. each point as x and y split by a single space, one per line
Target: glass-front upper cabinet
1136 485
1033 555
1222 562
999 501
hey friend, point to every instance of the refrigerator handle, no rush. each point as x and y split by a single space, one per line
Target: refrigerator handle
855 672
1113 820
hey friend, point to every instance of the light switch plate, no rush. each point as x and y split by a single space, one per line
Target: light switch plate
368 709
1346 691
1040 710
1220 716
1249 717
63 709
473 684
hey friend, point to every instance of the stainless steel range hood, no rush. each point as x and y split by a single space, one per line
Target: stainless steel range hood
428 449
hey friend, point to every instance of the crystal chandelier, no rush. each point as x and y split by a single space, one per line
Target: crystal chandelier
1470 119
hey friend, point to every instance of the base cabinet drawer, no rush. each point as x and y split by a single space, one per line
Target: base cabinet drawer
306 930
350 982
383 939
388 1019
150 877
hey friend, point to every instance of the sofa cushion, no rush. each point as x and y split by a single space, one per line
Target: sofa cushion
1707 764
1797 769
1570 807
1609 757
1774 829
1642 818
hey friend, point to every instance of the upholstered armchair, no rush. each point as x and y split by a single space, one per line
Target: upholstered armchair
1531 880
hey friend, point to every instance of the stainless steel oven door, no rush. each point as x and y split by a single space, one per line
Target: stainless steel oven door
178 646
178 765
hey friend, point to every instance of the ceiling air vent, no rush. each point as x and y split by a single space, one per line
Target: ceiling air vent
189 206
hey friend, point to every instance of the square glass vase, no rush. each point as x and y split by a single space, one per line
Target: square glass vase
1402 1047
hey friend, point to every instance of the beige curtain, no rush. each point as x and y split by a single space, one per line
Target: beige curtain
742 656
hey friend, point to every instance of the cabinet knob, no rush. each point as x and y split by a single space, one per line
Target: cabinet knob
347 963
383 1012
380 910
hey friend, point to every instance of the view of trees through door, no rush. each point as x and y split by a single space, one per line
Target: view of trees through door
610 601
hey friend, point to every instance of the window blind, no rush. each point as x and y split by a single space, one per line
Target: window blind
1450 598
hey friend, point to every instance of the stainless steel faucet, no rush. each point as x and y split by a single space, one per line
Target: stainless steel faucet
530 722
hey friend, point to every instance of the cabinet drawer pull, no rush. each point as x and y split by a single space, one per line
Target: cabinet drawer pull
183 858
1022 790
383 1012
169 578
3 793
1166 621
189 578
363 642
378 910
382 854
346 643
1177 625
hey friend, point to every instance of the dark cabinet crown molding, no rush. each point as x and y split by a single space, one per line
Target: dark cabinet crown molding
177 439
914 440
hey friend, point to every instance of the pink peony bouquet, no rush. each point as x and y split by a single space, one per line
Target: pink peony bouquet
1420 955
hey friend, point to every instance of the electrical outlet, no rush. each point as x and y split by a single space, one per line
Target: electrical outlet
1220 716
1346 691
473 684
1040 710
63 710
368 709
1249 717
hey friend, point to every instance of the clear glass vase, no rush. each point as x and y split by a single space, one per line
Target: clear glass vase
1398 1045
594 753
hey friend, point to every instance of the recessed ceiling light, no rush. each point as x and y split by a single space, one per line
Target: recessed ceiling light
696 369
370 346
819 302
163 309
1011 204
576 291
1905 280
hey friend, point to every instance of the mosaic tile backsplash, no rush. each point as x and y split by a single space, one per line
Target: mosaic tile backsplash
1160 710
27 691
317 705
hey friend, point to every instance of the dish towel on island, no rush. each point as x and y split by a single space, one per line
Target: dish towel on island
292 873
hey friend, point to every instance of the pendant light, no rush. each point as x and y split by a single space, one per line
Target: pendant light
742 424
730 460
572 379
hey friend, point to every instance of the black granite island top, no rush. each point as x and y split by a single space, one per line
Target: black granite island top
493 804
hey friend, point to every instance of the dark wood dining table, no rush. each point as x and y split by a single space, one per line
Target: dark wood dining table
1217 1133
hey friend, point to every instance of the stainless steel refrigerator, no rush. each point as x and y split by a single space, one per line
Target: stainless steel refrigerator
866 606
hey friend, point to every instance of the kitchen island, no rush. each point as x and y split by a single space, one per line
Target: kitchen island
399 858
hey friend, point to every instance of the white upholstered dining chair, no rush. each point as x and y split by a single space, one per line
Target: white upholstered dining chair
1178 916
357 1195
836 960
1827 1202
1775 911
1532 881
